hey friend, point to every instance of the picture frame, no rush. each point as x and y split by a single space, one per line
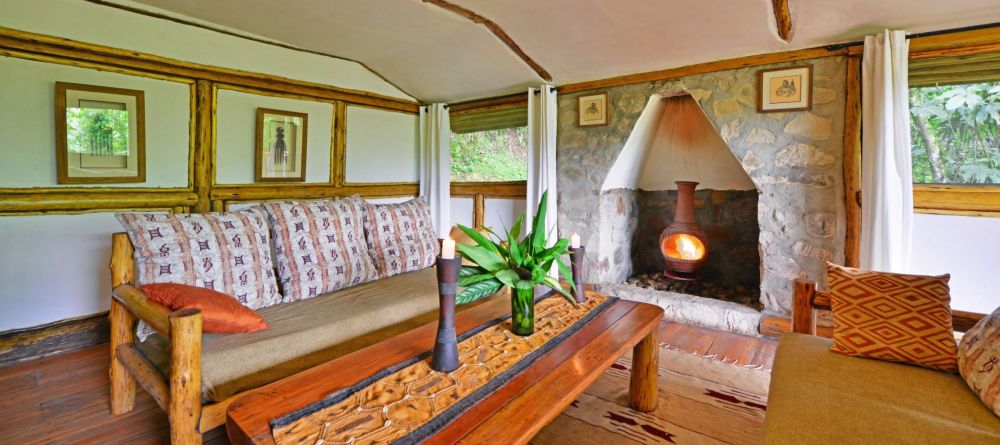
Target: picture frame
785 89
100 134
280 146
592 110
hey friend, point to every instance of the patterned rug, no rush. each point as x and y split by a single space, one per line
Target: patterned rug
702 401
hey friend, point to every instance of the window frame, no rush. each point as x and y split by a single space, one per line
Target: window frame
954 199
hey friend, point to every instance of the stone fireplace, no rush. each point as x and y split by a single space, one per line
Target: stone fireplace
773 214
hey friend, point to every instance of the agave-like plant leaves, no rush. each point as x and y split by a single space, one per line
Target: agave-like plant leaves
567 275
482 256
553 284
480 239
515 263
473 279
479 290
538 225
507 276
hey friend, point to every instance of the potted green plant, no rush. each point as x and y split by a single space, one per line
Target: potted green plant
519 264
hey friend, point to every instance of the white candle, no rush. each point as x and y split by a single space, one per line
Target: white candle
448 249
574 241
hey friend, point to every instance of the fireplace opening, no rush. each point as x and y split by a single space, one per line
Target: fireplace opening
681 200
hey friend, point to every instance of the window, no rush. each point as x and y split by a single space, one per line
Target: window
490 155
954 133
490 144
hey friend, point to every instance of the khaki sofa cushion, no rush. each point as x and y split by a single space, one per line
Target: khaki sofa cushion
820 397
309 332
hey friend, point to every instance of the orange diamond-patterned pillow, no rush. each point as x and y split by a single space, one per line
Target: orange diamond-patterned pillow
893 317
979 360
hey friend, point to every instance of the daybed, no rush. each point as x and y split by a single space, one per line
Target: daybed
821 397
194 377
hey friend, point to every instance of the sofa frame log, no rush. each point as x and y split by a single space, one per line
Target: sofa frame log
806 300
179 393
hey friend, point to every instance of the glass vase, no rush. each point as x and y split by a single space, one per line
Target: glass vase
522 311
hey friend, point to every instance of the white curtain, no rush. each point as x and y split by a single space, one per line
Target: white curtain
435 164
886 169
542 109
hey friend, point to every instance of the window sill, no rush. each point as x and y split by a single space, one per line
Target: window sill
951 199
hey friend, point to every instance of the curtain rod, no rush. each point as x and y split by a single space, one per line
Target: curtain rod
939 32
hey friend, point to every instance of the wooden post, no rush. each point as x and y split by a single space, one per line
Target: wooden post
803 320
122 325
185 376
644 383
479 211
204 154
852 163
338 160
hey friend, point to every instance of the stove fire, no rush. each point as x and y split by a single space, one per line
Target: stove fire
684 244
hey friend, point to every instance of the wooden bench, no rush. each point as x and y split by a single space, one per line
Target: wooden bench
179 394
807 300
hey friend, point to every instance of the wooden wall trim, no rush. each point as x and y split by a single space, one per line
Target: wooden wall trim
16 43
490 103
852 163
21 345
510 189
267 192
77 199
702 68
957 199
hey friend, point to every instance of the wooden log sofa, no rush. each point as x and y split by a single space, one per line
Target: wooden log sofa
194 376
821 397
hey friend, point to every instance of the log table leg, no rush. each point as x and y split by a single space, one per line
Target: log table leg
643 388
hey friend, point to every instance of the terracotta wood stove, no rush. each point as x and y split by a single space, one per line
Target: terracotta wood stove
684 244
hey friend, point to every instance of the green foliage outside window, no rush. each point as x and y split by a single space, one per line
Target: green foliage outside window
954 133
490 156
97 131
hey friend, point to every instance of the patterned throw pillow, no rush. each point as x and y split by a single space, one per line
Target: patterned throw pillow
979 360
319 246
894 317
401 236
227 252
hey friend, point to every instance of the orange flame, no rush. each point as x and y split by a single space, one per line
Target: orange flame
683 246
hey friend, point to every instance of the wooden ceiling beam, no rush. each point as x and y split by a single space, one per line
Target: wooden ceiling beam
497 31
783 18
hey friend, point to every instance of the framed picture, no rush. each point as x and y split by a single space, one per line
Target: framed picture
785 89
592 110
281 146
100 134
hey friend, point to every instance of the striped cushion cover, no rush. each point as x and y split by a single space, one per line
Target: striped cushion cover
319 246
401 236
227 252
894 317
979 360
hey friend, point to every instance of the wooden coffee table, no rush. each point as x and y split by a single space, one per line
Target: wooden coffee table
515 412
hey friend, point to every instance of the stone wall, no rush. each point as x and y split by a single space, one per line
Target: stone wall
793 158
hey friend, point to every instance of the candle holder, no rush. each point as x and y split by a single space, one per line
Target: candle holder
445 358
576 257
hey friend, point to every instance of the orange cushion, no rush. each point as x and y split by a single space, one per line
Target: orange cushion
893 317
221 314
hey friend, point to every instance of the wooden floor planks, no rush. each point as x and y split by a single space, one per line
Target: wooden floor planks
64 398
